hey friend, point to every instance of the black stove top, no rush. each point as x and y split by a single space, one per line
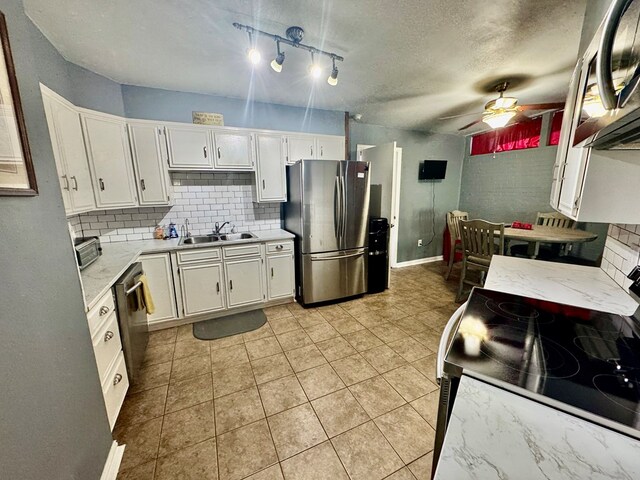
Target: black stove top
583 358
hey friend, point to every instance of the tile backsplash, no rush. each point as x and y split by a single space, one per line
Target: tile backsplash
621 252
203 198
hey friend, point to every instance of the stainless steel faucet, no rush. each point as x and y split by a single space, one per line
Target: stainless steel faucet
218 228
184 229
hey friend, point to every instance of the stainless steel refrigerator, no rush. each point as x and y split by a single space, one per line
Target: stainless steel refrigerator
327 210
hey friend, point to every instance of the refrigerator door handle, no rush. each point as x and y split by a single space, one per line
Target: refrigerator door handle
337 257
343 215
337 205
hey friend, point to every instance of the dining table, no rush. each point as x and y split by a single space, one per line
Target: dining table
544 234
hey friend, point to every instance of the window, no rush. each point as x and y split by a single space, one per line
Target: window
554 131
514 137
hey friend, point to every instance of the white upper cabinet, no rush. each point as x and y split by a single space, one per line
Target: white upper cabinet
233 150
189 148
149 151
107 145
271 184
330 148
69 152
300 148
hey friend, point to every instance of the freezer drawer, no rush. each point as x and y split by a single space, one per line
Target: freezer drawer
333 275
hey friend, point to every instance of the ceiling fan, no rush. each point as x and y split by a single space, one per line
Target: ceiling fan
499 111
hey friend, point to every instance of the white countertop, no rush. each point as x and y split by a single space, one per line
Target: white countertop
579 286
495 434
116 257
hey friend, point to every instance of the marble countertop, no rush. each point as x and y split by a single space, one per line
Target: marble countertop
496 434
587 287
116 257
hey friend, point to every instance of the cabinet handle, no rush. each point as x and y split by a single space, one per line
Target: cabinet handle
101 182
217 287
117 379
263 185
231 284
108 336
66 182
279 247
204 149
104 310
311 148
75 183
142 184
218 149
321 151
271 272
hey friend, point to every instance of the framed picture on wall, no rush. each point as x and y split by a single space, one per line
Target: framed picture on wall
17 176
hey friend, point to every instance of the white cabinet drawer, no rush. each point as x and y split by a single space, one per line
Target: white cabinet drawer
107 345
100 311
241 250
280 247
114 389
199 255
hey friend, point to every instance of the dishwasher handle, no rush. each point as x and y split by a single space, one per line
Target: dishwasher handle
444 340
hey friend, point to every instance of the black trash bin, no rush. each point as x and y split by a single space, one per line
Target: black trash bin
378 276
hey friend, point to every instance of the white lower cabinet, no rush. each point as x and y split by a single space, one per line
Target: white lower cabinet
280 276
202 288
244 281
157 268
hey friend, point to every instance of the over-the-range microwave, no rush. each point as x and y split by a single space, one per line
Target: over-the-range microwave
608 103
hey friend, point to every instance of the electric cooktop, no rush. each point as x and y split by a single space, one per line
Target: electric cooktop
586 360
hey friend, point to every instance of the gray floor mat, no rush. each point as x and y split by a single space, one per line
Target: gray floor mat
229 325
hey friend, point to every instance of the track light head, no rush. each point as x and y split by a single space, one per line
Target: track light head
333 78
315 70
277 62
253 54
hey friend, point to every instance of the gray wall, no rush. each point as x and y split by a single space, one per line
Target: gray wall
416 216
53 422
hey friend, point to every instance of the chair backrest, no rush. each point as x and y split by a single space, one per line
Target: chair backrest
554 219
480 238
453 222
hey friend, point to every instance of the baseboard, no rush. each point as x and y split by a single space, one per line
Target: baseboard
112 465
419 261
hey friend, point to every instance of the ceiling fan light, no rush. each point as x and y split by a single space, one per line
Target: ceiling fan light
499 119
505 102
594 108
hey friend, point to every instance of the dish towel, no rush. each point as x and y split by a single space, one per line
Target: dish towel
146 294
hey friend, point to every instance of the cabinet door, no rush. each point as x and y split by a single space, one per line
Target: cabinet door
233 151
148 159
330 148
280 276
157 268
271 185
300 147
110 161
244 281
189 148
202 288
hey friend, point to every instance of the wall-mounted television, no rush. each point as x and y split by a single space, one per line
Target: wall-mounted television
432 170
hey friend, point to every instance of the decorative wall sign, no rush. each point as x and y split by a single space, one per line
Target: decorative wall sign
16 169
206 118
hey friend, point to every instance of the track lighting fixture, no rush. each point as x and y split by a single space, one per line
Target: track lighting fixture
293 39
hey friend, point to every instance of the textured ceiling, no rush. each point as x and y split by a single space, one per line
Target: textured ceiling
406 63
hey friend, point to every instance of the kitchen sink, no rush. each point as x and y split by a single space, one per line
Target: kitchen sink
197 239
236 236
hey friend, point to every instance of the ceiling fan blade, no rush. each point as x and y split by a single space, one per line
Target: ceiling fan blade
541 106
470 125
458 116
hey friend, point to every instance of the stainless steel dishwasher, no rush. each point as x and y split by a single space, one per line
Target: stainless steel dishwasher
132 317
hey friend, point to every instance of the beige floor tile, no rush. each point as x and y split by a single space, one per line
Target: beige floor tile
318 463
308 319
162 337
198 462
226 342
355 307
245 451
295 430
402 474
283 325
141 472
335 348
427 367
421 468
387 332
321 331
346 325
185 332
410 349
411 325
276 312
409 434
265 347
339 412
369 318
319 381
281 394
233 379
294 339
187 427
409 382
353 369
427 407
296 309
376 396
142 442
304 358
271 473
262 332
429 338
143 406
333 312
238 409
151 376
271 368
189 348
366 454
223 358
363 340
190 367
159 354
188 392
383 359
414 306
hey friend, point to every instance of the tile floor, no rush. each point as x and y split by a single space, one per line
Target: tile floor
338 392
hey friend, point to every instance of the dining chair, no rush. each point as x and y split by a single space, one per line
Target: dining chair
453 223
547 219
554 219
481 240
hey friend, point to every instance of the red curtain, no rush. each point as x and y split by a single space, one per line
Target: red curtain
514 137
554 131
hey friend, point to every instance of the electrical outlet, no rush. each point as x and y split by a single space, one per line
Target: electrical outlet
419 242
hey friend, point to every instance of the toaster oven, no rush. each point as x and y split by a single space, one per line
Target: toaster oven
87 251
